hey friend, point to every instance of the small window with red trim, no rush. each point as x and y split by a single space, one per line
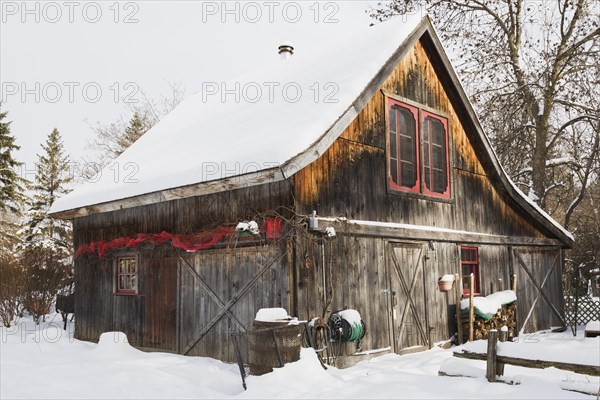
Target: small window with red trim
127 275
469 263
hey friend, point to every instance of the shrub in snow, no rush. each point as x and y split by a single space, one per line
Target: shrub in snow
12 287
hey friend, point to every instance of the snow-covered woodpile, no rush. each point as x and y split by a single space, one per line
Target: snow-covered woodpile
481 327
491 312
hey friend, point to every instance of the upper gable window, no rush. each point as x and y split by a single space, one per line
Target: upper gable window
435 155
404 149
418 150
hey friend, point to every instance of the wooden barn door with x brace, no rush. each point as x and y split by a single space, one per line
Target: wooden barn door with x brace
409 321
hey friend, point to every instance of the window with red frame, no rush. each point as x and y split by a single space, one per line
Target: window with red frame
127 275
435 155
417 152
469 263
403 151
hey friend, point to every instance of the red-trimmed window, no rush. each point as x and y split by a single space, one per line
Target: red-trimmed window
469 264
417 150
435 155
403 147
127 275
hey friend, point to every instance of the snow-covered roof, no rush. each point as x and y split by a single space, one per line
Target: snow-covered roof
282 109
267 124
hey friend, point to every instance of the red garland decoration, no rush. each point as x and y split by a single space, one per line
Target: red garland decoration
193 242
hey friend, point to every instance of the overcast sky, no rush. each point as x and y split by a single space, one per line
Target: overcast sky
73 64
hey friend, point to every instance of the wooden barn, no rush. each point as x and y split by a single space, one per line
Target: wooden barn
382 145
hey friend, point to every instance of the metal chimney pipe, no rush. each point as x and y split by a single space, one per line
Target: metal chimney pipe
286 50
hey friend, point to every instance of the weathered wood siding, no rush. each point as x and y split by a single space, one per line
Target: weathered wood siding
539 267
350 179
261 272
348 272
150 318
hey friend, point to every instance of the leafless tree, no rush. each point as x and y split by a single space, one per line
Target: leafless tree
531 68
112 139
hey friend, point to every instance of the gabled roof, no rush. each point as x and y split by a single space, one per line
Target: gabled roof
285 116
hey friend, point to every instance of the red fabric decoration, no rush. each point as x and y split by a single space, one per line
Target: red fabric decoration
194 242
273 228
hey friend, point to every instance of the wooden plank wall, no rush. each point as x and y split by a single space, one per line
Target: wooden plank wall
538 262
226 272
494 269
355 278
350 179
150 317
188 215
160 312
444 259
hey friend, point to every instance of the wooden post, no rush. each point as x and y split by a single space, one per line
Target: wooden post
458 294
471 306
490 372
516 316
500 284
502 337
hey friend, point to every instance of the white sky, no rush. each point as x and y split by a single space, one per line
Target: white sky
51 51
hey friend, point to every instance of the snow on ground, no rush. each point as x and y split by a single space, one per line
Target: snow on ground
46 362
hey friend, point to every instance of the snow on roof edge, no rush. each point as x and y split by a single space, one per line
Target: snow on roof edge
59 207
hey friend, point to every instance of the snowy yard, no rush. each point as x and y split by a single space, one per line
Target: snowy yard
46 362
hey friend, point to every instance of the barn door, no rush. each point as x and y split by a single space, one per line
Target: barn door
539 288
220 292
408 297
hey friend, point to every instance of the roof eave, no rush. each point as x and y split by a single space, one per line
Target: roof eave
221 185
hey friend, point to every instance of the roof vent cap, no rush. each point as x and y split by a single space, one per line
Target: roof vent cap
286 50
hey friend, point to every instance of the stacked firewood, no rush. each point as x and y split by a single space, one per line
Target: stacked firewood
506 316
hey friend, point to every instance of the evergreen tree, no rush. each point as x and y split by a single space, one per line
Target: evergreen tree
135 130
11 188
51 181
46 243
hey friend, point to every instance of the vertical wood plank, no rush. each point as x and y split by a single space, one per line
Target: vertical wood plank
471 306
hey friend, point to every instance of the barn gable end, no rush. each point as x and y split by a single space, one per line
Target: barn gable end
349 179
